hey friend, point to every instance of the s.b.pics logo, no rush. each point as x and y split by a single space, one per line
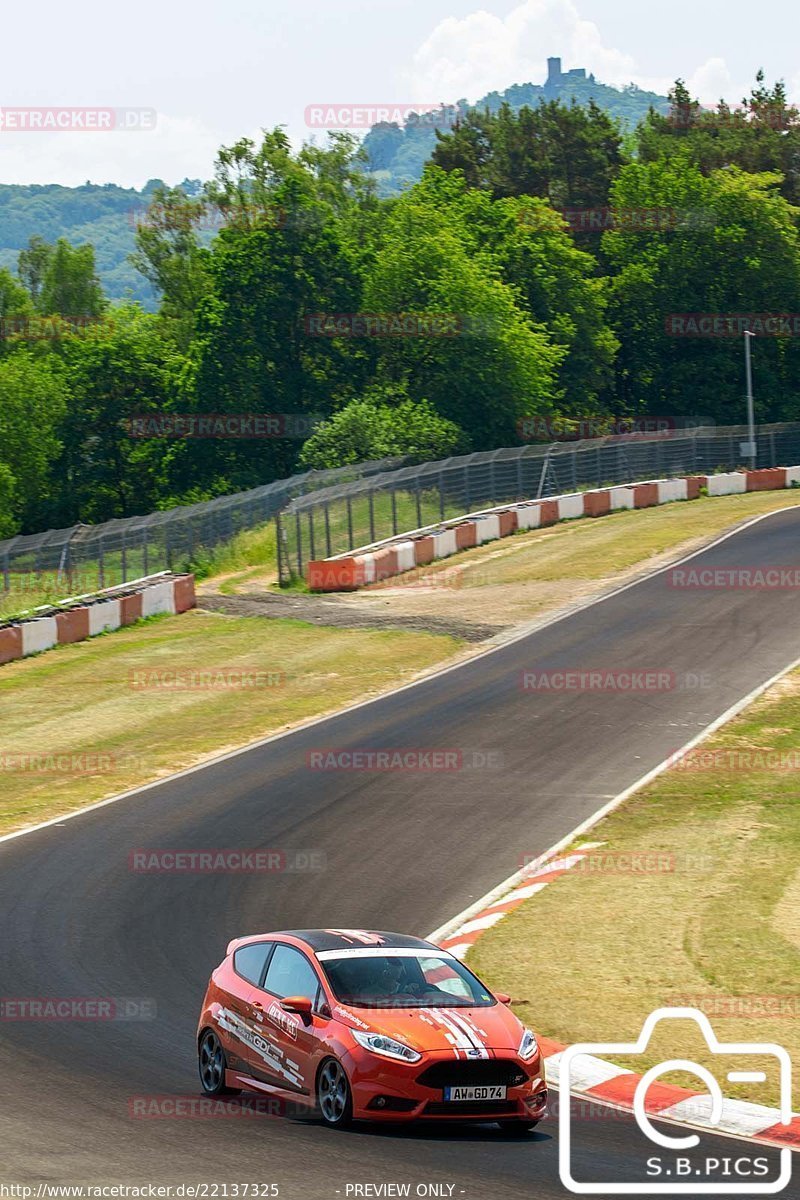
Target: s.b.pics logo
671 1161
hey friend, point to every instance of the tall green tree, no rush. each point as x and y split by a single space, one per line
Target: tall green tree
568 155
33 402
70 286
734 250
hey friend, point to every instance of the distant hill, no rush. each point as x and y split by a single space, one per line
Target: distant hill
106 215
398 153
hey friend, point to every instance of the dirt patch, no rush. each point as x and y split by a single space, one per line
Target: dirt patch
317 610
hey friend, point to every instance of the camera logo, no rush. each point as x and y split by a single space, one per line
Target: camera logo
676 1171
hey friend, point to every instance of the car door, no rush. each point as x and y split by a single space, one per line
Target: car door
239 1015
292 1039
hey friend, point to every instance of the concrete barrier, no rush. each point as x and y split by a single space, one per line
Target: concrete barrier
729 483
548 512
385 561
466 535
73 625
445 543
82 617
528 516
570 507
508 522
104 617
620 497
406 557
670 490
395 557
10 643
38 635
597 504
645 495
160 598
487 528
766 480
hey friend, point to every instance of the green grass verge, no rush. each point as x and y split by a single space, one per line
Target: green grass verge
713 923
79 724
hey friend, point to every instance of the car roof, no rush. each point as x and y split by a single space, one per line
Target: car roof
345 939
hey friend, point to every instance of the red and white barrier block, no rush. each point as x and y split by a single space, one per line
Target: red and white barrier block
83 617
396 555
594 1078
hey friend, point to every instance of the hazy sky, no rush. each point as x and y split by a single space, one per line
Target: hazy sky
214 72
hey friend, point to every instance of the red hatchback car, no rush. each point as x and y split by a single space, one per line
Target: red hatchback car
364 1025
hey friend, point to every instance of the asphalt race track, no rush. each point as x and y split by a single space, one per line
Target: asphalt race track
404 851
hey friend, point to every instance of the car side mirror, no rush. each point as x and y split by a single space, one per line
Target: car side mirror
503 997
298 1004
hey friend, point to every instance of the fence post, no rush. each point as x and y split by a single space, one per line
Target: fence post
124 558
311 533
144 548
299 537
278 532
441 495
327 531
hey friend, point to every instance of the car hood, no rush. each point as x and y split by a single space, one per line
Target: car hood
466 1030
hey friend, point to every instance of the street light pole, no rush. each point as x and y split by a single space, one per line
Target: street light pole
751 426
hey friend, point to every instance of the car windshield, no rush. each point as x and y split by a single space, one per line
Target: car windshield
404 981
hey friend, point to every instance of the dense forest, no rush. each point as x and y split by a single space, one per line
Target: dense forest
107 216
542 267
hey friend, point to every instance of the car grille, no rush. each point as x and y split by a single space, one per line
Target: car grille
480 1071
471 1108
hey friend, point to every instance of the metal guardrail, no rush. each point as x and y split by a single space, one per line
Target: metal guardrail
86 557
341 518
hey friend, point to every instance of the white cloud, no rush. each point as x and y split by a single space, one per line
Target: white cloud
177 148
470 56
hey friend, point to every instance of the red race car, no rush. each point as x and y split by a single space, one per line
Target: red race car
359 1025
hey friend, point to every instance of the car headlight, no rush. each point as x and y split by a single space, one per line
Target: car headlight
388 1047
528 1047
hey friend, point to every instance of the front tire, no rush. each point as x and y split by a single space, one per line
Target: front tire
334 1097
212 1065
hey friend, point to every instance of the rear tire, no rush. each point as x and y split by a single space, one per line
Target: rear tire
212 1065
334 1097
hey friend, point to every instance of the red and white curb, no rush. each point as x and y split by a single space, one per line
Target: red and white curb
594 1078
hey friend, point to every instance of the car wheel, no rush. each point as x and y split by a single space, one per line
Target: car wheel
517 1128
334 1098
212 1065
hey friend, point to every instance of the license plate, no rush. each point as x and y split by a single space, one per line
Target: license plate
454 1094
